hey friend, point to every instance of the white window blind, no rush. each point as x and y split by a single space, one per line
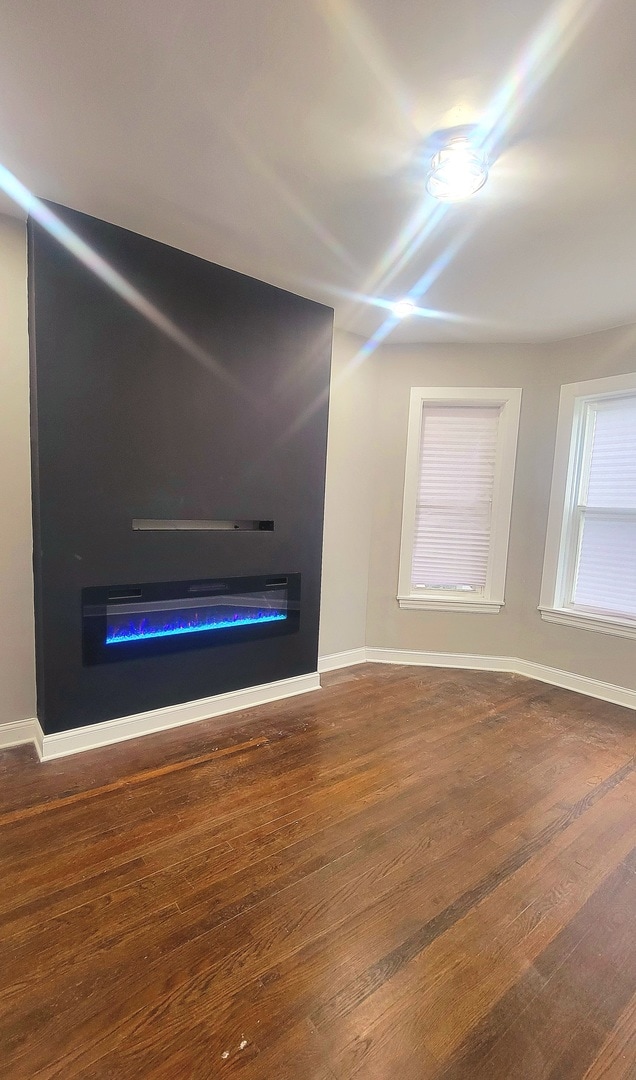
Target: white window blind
458 483
453 520
604 519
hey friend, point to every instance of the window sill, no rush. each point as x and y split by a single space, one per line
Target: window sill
475 607
599 624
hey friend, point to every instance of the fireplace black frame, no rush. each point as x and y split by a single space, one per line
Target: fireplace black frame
128 424
96 600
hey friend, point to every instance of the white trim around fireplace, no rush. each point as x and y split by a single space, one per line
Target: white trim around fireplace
92 736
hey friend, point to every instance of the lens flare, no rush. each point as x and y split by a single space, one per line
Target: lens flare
102 269
403 308
552 39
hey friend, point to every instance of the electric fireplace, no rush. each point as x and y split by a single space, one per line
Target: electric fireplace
123 622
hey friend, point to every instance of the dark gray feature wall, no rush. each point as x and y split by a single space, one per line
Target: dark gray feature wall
210 403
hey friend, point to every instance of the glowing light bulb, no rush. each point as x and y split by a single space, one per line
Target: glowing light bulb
402 308
457 171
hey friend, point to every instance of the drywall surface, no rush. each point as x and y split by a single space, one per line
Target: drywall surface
598 656
17 659
348 499
518 629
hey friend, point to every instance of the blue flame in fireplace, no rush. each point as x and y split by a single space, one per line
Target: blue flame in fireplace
142 629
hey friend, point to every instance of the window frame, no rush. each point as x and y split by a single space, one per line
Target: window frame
562 534
491 600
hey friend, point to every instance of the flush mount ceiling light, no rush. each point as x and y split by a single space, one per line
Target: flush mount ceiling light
402 308
457 171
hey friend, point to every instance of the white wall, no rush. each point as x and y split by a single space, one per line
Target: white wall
399 368
17 661
518 629
348 500
599 656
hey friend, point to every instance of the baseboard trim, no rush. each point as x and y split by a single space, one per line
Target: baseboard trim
131 727
18 732
580 684
92 736
567 680
342 659
467 661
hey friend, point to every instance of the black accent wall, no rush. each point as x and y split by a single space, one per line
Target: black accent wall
203 395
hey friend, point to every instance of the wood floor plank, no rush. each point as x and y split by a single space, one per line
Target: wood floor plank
616 1057
410 874
390 980
341 796
587 978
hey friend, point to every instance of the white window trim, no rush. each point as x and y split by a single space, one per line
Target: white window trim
557 559
491 600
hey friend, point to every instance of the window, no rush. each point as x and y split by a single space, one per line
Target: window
589 577
460 463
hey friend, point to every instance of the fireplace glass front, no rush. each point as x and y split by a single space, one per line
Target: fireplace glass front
142 620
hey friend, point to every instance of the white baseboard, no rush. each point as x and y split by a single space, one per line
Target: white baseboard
17 732
567 680
342 659
581 684
467 661
131 727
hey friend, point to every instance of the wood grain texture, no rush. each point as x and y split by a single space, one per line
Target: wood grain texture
417 873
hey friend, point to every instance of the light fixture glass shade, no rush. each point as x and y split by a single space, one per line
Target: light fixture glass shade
402 308
457 171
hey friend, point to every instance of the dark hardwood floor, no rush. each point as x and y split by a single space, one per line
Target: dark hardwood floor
411 874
